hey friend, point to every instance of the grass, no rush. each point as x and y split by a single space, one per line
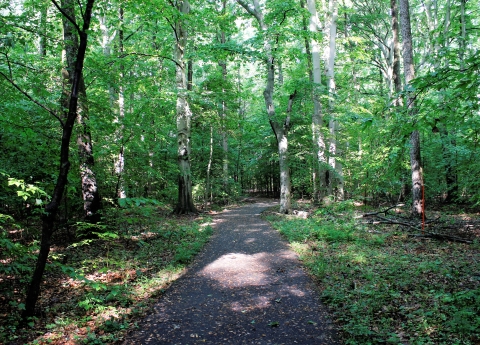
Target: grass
95 290
384 287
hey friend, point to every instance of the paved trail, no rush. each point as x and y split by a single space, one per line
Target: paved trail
247 287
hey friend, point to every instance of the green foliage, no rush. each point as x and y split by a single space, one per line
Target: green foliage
19 256
372 141
28 191
118 272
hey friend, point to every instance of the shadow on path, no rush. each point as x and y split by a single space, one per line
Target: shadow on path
246 287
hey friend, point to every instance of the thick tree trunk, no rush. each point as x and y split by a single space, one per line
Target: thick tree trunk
91 196
51 209
184 116
415 156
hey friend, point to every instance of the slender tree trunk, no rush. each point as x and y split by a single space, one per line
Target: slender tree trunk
91 196
336 180
279 128
415 156
208 187
463 34
223 118
450 170
397 81
396 76
223 110
189 75
51 209
184 116
317 117
42 44
116 103
120 160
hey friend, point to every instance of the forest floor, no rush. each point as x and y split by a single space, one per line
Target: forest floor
385 279
381 282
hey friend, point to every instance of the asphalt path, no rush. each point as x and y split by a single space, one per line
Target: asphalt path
246 287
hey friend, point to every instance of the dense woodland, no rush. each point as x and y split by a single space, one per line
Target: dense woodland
107 105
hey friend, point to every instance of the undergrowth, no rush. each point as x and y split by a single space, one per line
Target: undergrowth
96 288
384 287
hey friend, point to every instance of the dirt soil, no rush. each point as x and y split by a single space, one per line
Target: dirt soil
246 287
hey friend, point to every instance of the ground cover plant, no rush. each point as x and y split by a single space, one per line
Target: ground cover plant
385 286
96 287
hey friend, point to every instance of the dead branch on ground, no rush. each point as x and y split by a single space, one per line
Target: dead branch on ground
451 229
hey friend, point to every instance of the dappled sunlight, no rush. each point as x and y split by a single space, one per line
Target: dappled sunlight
249 240
250 304
235 270
293 290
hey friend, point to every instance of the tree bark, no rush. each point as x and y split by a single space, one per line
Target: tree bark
51 209
279 128
184 117
91 196
317 116
120 160
336 174
223 112
397 82
415 156
208 184
463 34
42 44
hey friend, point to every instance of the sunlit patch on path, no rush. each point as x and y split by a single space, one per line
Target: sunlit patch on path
247 287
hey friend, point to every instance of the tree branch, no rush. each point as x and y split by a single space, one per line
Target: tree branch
51 112
249 10
81 9
70 19
151 55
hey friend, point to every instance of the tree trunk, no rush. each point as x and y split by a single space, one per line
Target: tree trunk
208 184
463 34
223 118
282 142
397 82
279 128
117 103
336 181
91 196
120 160
223 110
51 209
317 118
42 44
184 116
415 156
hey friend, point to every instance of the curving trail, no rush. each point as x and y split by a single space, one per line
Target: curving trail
246 287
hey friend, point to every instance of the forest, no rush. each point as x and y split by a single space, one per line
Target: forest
126 125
